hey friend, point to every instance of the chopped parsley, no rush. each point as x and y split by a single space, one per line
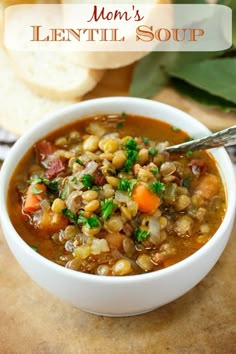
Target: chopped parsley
132 154
123 185
92 222
131 144
186 181
153 151
123 115
157 188
66 190
69 214
132 158
81 220
126 185
52 186
154 170
74 179
35 248
120 125
35 190
87 181
141 235
79 162
188 139
145 140
107 207
175 129
189 153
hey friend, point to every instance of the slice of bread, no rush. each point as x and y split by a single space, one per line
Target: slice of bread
54 74
20 108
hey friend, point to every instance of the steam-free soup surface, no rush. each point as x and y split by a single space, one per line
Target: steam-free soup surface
102 196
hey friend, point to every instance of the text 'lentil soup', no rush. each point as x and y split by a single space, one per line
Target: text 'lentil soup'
102 196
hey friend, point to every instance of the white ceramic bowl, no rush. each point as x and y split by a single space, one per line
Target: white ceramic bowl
117 296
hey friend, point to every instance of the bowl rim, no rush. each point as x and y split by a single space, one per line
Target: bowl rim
7 171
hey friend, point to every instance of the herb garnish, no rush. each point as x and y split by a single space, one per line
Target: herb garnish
92 222
145 140
187 181
175 129
35 190
157 188
120 125
132 154
126 185
52 186
35 248
154 170
107 207
79 162
123 115
64 194
69 214
189 153
131 144
153 151
87 181
141 235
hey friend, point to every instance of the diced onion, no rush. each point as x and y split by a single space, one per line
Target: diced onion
45 205
154 228
73 202
90 168
121 197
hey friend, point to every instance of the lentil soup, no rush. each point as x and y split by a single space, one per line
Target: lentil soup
102 196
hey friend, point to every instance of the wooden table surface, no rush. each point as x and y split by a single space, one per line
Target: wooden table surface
201 322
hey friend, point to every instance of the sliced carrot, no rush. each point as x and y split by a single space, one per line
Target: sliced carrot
32 201
208 186
52 222
147 201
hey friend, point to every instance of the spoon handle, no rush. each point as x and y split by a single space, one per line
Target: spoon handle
224 137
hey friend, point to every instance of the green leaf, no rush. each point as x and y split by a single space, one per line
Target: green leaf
93 222
35 248
202 96
216 76
131 144
154 170
81 219
148 77
51 185
151 74
107 207
145 140
157 188
65 192
153 151
69 214
187 181
35 190
141 235
126 185
87 181
79 162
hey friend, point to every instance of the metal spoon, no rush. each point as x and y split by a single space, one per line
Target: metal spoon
224 137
